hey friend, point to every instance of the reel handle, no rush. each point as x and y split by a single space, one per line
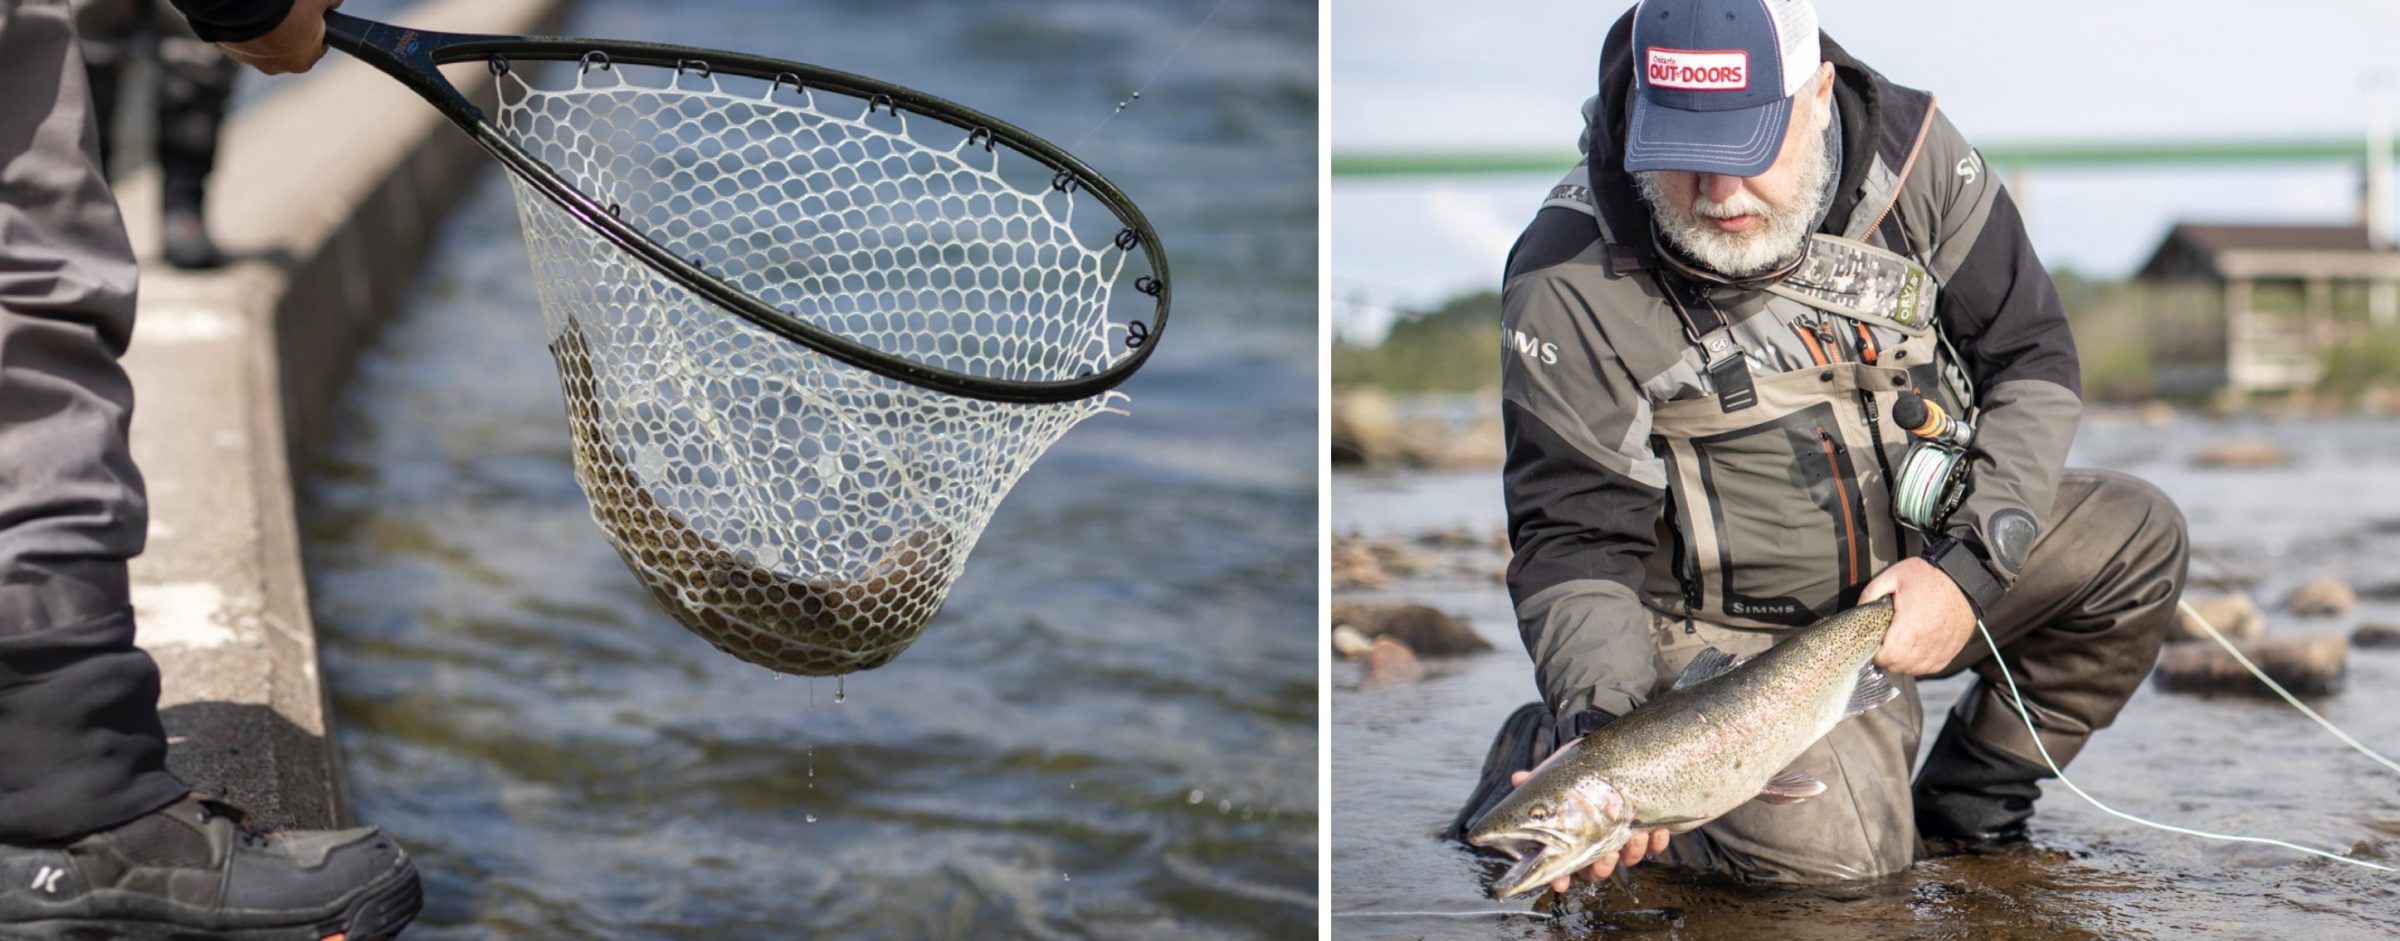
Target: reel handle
1926 420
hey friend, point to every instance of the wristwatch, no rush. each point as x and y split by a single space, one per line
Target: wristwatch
1959 560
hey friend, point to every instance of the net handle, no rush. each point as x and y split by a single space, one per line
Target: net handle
412 56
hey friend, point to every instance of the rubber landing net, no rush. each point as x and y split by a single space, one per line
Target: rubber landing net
810 328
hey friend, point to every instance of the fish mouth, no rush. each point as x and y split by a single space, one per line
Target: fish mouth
1536 853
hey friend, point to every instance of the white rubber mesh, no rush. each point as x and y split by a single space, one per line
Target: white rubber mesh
797 512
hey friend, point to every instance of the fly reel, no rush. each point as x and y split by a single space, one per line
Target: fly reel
1933 476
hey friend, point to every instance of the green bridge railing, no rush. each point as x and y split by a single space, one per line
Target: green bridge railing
2006 156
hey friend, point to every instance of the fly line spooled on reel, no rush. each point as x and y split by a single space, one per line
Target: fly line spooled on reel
810 327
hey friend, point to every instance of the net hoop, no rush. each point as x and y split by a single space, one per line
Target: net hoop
411 56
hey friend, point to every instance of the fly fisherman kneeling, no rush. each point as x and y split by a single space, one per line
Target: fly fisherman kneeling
1709 325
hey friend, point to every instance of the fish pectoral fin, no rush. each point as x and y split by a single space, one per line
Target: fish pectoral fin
1791 787
1710 663
1874 689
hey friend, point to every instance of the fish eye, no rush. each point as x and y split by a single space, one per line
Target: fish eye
1540 813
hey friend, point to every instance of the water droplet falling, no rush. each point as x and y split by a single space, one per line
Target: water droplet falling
838 694
1194 797
1225 807
812 818
1063 877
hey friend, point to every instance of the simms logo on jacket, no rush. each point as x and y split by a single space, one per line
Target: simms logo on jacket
1699 71
1533 348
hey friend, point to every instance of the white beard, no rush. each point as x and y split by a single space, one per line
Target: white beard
1775 241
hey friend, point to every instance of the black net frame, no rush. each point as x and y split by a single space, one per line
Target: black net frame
414 56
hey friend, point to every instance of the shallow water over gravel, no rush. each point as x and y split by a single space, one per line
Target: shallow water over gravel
1404 756
1109 732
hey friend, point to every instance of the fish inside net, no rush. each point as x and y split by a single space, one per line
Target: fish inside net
796 511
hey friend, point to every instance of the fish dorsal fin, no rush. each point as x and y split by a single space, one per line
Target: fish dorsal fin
1873 690
1791 787
1710 662
1546 762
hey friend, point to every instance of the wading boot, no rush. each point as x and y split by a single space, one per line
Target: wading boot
183 237
197 869
1971 798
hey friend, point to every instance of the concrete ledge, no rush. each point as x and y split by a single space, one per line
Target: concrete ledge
326 194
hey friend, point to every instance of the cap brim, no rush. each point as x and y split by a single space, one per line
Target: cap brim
1741 142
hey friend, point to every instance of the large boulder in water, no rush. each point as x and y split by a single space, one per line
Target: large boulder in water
2311 667
1365 432
2234 616
1425 630
1437 446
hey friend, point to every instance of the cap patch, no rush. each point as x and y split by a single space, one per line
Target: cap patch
1688 70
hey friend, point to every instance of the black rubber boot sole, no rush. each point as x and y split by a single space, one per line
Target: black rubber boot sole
375 913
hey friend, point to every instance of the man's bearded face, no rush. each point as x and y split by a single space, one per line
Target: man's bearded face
1743 226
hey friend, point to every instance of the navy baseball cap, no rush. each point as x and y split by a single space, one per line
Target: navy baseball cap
1714 82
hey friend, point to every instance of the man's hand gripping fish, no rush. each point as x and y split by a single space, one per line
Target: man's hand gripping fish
816 628
1724 734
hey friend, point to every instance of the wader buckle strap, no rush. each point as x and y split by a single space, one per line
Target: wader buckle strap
1720 354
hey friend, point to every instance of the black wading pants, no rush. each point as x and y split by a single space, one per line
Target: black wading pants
2080 630
194 83
81 747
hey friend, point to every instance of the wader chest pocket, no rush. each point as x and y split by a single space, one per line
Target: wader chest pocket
1779 525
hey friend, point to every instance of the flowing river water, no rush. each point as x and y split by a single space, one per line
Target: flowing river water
1404 756
1111 729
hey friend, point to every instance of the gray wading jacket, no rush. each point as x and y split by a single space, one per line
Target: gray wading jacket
1635 496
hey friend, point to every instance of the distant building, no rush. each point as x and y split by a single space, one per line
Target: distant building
2261 304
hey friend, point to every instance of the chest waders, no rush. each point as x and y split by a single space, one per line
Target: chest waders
1781 492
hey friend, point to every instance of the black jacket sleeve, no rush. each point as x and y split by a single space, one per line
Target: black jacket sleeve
233 20
2000 310
1583 489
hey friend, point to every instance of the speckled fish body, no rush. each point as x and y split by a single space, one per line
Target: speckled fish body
1725 734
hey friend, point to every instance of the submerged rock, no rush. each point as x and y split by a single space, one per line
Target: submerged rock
2375 635
2325 596
2311 667
1354 565
2250 453
1390 661
1425 630
1461 538
2234 616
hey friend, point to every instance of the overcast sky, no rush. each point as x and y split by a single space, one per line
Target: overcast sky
1510 74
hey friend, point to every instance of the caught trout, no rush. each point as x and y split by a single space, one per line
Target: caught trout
817 627
1723 735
